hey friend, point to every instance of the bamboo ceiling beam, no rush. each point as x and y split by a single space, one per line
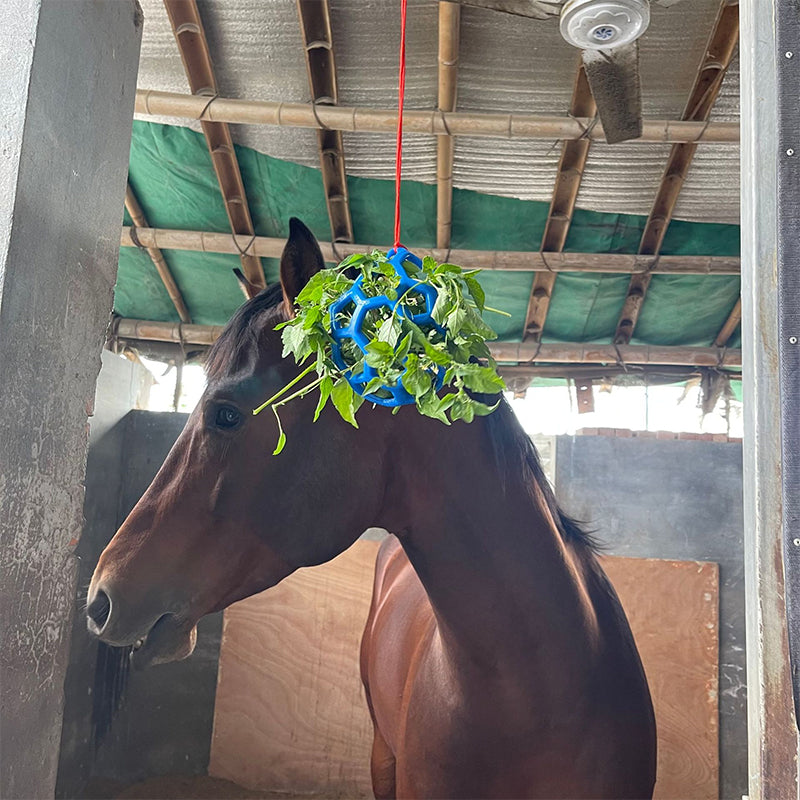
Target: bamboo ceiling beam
726 331
449 29
719 52
187 26
315 25
150 102
504 260
565 192
156 256
515 352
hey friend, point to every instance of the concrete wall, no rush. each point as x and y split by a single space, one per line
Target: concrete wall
121 726
677 500
67 81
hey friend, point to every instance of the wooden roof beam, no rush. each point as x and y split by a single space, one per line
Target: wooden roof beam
503 260
514 352
315 25
719 52
187 26
726 331
156 256
565 192
150 102
449 30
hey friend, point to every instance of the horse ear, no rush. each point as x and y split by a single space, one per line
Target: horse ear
301 259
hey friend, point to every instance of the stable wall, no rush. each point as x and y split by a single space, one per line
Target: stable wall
692 513
678 500
123 726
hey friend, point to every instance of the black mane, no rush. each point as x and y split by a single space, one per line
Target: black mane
240 336
516 457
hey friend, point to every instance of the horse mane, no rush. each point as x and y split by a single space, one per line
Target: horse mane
515 453
516 456
240 336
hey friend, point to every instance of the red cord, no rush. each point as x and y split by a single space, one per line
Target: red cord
401 95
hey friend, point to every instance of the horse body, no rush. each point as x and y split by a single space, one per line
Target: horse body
496 658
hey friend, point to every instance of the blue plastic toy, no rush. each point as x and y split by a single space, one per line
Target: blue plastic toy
354 329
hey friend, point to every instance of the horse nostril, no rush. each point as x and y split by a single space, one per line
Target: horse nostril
99 609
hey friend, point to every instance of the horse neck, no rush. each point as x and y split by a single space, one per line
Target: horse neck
499 575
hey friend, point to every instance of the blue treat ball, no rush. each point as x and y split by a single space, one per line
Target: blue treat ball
361 305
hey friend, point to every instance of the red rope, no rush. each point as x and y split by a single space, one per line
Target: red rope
399 153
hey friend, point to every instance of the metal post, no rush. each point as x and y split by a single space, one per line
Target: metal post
771 728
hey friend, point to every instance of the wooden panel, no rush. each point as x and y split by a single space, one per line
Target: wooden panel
291 715
290 711
673 610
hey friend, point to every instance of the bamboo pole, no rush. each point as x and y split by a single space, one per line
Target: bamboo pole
150 102
514 352
501 260
708 81
156 256
315 25
731 323
571 165
449 25
187 26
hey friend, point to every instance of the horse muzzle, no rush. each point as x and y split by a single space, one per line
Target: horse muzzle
155 638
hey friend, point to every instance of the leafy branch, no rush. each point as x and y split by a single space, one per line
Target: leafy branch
398 349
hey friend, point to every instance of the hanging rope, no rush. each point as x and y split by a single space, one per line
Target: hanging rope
401 95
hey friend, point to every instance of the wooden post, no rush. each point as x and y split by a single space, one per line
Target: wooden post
772 736
67 81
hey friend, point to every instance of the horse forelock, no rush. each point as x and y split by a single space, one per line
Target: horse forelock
240 339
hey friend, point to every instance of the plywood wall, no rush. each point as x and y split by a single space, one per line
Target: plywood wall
290 711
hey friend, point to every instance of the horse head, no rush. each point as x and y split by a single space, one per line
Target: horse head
223 519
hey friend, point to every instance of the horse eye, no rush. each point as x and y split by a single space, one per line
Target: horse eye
227 417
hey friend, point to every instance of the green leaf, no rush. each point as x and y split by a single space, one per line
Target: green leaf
295 342
476 290
415 380
389 330
281 437
343 398
379 354
324 393
462 408
433 406
481 379
473 323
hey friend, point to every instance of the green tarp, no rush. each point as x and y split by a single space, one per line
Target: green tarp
172 175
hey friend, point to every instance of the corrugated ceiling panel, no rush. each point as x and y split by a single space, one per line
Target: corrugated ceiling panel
507 63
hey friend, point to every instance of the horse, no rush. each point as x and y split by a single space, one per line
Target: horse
497 660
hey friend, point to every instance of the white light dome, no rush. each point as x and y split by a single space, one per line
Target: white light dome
603 24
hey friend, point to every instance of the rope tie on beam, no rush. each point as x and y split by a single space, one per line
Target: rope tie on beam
443 119
322 125
535 355
135 238
544 261
620 360
211 99
244 252
586 130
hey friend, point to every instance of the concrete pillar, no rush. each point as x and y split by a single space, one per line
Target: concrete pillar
67 82
772 735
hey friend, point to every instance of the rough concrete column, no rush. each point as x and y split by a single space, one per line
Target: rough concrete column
67 82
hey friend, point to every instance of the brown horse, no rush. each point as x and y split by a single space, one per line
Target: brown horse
497 659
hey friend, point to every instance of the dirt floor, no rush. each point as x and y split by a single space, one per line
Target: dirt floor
183 787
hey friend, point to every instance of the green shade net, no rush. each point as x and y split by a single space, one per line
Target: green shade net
172 175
